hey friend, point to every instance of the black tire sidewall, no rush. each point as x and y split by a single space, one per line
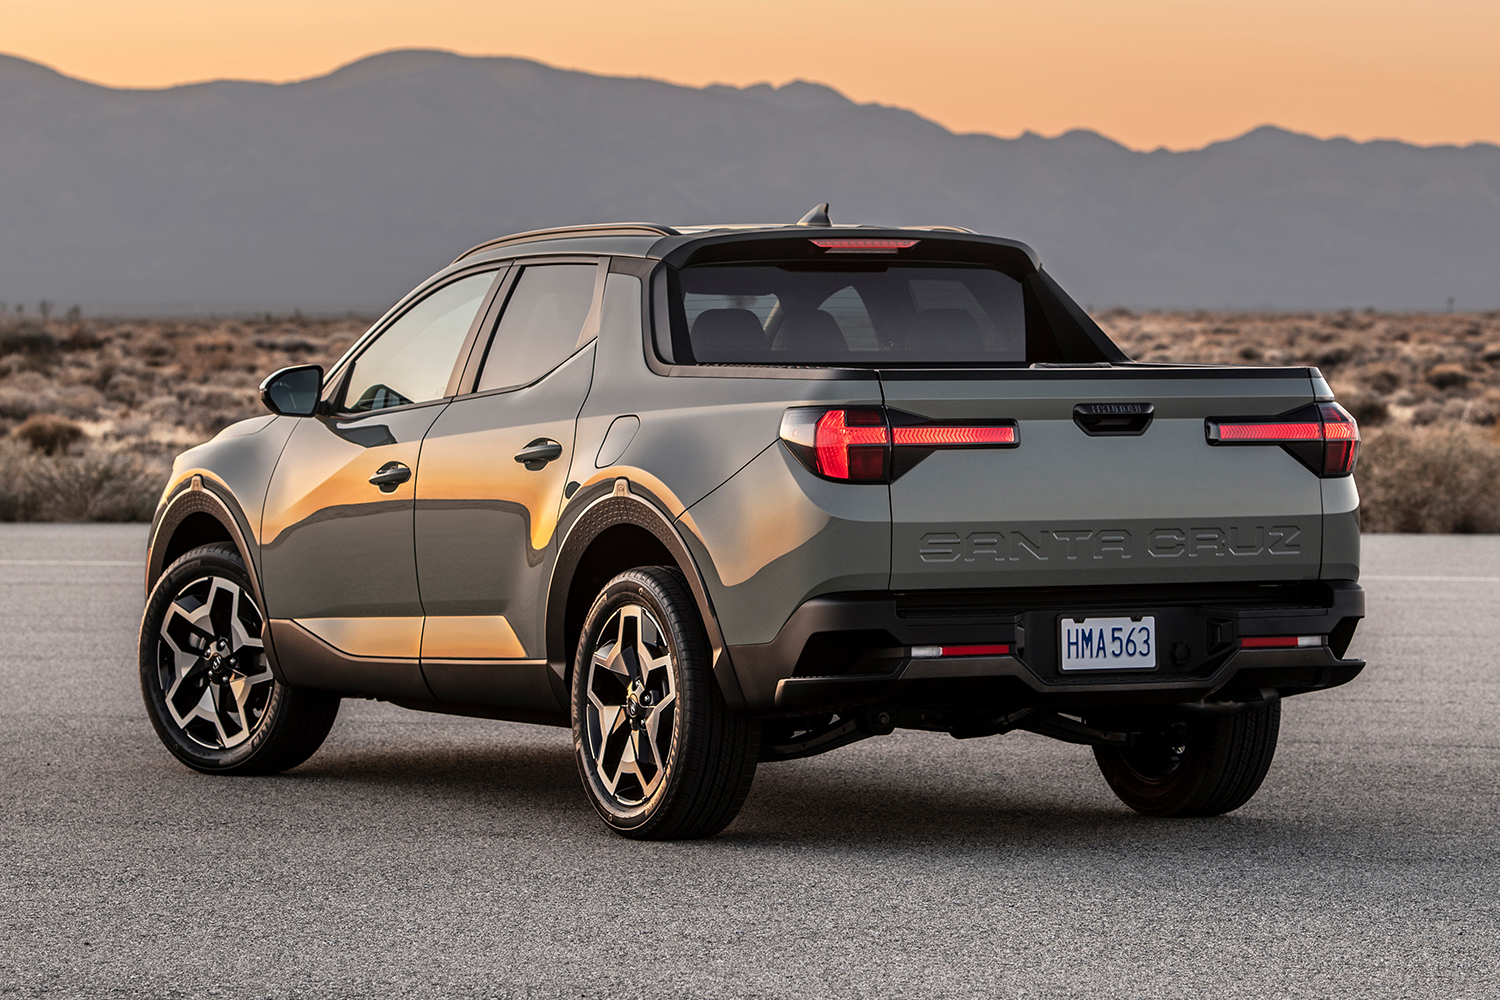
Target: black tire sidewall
642 587
212 560
1227 758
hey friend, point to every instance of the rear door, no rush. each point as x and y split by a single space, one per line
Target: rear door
494 467
1085 501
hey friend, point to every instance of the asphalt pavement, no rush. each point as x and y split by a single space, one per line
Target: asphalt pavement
419 855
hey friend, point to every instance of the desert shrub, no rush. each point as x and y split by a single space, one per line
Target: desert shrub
1443 478
27 338
81 338
102 486
16 405
1448 376
1368 409
48 434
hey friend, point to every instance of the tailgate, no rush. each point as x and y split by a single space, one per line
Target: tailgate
1078 503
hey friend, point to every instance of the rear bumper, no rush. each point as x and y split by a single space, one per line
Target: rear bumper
846 650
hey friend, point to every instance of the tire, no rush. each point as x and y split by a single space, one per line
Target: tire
661 755
1217 767
205 679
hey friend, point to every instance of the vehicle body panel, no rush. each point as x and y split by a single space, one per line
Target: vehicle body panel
485 523
1066 508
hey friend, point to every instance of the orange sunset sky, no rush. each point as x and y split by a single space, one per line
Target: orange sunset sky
1159 73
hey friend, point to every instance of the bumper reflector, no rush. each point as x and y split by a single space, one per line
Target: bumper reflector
933 652
1282 641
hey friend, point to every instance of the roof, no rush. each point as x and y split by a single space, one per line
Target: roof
641 239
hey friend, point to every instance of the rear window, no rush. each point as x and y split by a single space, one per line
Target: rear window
849 314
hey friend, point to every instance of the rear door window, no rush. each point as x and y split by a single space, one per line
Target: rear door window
541 325
412 360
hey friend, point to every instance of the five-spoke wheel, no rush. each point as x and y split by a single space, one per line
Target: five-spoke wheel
632 705
659 751
211 665
205 677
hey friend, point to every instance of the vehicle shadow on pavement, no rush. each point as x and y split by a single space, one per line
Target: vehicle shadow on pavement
538 783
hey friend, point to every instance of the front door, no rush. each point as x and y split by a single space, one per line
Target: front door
338 564
494 466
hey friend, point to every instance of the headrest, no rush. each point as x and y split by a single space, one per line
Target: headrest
941 330
812 333
728 335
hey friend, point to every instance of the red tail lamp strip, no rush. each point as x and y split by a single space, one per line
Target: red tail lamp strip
939 437
1000 650
1271 432
866 245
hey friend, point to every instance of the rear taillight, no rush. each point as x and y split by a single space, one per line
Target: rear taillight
876 445
1323 436
1340 440
852 444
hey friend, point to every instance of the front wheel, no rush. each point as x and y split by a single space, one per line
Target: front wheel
660 753
1205 768
207 685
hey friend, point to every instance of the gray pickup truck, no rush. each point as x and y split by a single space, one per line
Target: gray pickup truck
725 495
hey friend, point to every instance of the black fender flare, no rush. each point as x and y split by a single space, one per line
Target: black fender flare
200 495
616 503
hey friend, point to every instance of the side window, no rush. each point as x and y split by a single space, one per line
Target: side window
541 324
412 360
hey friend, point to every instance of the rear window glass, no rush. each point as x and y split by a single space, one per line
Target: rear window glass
852 314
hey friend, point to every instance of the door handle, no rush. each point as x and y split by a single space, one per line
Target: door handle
538 453
390 475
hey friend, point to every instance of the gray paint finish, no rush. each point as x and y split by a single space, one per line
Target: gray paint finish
335 545
1067 509
775 535
485 523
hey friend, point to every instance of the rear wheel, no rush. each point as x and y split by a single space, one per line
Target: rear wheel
1203 768
660 753
207 684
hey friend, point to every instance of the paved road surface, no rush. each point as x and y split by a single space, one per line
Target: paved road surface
418 855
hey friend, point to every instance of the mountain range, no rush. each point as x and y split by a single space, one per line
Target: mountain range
345 190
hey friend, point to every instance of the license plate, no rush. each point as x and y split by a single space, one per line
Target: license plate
1108 643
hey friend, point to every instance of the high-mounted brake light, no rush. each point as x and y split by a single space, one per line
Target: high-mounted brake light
1323 436
876 445
865 245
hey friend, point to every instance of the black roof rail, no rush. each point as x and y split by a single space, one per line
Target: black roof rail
572 232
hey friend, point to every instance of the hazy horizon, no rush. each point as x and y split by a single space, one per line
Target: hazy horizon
775 85
342 191
1155 74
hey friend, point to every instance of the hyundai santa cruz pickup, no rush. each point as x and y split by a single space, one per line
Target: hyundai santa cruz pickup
720 496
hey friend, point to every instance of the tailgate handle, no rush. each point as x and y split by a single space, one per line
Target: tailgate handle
1113 419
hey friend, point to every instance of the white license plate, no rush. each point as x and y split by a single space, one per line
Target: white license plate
1107 643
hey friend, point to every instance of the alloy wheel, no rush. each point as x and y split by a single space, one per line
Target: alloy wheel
632 706
211 663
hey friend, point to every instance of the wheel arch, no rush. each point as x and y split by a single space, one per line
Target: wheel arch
620 529
197 515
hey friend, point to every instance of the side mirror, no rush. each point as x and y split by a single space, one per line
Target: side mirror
293 392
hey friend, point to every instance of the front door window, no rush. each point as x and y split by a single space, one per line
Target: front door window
412 360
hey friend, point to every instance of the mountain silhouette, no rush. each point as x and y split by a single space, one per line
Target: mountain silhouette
344 190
